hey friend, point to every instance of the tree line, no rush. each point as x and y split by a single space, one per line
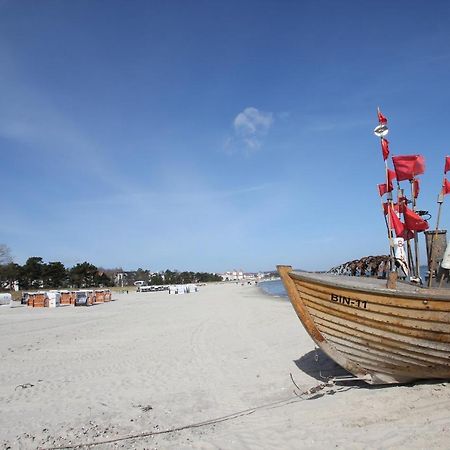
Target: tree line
166 277
174 277
36 274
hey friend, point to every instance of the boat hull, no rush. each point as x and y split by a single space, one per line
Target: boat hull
379 335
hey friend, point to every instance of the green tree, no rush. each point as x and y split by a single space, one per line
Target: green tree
141 275
103 280
31 273
187 277
169 277
9 273
54 275
203 277
83 275
156 279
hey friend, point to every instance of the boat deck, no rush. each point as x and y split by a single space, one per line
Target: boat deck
373 284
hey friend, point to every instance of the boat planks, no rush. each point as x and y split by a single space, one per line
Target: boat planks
378 334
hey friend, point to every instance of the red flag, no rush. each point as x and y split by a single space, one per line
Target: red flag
446 187
407 235
391 175
381 118
447 164
416 187
383 188
397 209
385 148
408 166
396 223
402 202
414 222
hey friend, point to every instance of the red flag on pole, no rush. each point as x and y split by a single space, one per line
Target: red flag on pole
383 188
446 187
401 205
407 235
385 148
447 164
413 221
416 187
398 209
396 223
381 118
408 166
391 175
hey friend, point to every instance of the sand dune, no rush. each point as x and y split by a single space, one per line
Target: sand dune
152 362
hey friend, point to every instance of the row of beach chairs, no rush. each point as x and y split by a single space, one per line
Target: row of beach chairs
52 299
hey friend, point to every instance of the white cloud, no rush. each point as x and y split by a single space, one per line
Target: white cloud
250 127
252 121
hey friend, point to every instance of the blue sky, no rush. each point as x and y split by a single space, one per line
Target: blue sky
207 135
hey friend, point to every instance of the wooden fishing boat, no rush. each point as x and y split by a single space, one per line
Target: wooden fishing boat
379 335
385 332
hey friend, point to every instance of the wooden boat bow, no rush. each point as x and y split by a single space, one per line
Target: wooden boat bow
378 334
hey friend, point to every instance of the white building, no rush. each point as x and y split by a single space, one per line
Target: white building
234 275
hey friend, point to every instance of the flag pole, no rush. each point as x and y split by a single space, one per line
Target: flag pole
389 200
386 216
392 277
408 244
416 237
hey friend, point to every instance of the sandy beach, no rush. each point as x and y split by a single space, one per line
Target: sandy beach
149 363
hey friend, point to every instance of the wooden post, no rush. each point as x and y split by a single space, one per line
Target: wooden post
432 251
392 280
411 269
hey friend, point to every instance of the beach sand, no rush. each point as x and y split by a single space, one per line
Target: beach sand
152 362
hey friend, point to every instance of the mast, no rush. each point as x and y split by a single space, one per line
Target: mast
381 131
401 195
416 237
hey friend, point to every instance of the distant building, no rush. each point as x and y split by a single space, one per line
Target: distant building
234 275
119 279
131 277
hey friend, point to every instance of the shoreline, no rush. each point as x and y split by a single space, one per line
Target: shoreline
283 296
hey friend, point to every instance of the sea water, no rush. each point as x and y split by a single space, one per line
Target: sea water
273 287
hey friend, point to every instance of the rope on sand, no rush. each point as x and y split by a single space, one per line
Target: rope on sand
299 397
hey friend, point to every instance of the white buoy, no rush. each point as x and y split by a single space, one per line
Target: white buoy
381 130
